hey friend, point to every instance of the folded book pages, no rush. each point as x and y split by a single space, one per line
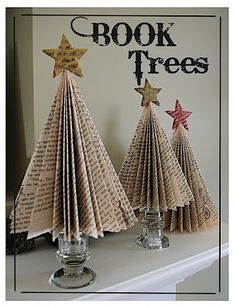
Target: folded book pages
201 213
70 184
150 174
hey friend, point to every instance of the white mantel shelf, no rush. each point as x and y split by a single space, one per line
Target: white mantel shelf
120 266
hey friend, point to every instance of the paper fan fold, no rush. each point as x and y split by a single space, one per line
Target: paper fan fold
150 174
201 213
70 183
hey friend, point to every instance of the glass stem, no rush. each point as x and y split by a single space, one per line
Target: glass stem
72 270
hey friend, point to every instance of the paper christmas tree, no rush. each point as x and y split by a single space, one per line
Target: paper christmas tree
150 174
70 184
201 213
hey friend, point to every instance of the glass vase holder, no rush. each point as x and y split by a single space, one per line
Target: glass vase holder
72 256
152 236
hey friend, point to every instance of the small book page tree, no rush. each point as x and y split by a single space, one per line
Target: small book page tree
201 213
151 175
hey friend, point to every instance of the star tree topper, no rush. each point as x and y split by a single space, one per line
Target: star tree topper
180 116
149 93
66 57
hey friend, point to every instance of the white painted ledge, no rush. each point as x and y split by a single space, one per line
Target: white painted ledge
120 266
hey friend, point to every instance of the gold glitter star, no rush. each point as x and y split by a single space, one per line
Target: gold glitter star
66 57
149 93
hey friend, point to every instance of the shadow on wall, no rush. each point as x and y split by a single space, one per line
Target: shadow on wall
16 157
111 141
19 98
10 115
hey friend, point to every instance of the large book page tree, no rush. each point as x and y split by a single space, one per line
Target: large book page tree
70 187
201 213
151 175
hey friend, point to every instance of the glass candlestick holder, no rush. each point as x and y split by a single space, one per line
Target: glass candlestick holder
152 236
72 255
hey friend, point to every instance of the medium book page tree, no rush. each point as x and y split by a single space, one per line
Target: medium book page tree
70 187
151 175
201 213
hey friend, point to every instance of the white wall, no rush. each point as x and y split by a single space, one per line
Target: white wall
108 82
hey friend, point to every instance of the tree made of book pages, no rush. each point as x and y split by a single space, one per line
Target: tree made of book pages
151 175
201 213
70 187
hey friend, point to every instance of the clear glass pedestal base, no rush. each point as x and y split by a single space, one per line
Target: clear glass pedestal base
72 255
152 236
71 281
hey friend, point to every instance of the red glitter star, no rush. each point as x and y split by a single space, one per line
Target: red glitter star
180 116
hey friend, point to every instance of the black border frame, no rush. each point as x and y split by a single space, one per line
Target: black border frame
220 166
